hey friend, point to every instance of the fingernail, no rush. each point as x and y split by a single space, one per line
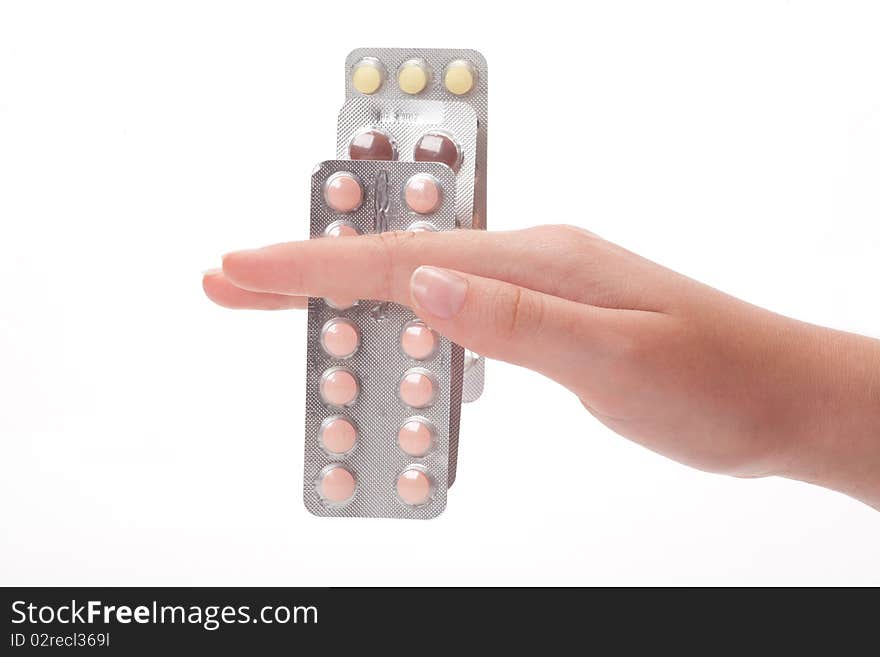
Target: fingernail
212 272
439 291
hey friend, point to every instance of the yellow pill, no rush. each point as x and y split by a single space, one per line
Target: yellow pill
459 77
367 75
413 77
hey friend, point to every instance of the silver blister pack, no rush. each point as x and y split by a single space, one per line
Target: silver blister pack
406 122
445 69
391 473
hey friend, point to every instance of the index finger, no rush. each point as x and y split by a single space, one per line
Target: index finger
379 266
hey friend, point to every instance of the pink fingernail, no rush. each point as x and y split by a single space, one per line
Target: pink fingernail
438 291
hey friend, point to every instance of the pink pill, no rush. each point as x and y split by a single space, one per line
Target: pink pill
417 389
337 435
341 303
336 484
338 387
340 337
341 229
415 438
343 192
414 487
418 341
422 193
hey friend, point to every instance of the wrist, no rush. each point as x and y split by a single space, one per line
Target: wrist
833 429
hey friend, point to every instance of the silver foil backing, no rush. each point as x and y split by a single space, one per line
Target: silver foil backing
436 61
379 363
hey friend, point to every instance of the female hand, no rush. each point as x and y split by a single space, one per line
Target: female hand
679 367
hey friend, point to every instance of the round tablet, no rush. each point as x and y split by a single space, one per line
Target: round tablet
341 229
438 147
415 438
418 340
338 387
422 227
336 484
337 435
414 487
340 337
422 193
367 75
343 192
459 77
417 389
413 76
372 145
341 303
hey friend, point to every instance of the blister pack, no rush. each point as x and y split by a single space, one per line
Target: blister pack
414 131
419 131
396 75
382 388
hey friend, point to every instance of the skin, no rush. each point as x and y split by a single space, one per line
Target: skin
679 367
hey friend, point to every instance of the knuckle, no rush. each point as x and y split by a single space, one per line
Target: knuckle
391 245
563 235
575 234
545 232
392 241
517 313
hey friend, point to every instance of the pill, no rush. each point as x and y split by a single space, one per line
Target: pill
413 76
340 337
367 75
438 147
372 144
471 358
415 438
418 340
337 435
341 303
336 484
341 229
343 192
417 389
422 193
414 487
338 387
459 77
421 227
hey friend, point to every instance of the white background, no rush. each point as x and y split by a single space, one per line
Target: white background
149 437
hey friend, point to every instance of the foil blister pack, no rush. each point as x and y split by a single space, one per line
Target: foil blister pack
382 388
441 75
423 131
409 131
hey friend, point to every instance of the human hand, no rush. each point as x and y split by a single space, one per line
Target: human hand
663 360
